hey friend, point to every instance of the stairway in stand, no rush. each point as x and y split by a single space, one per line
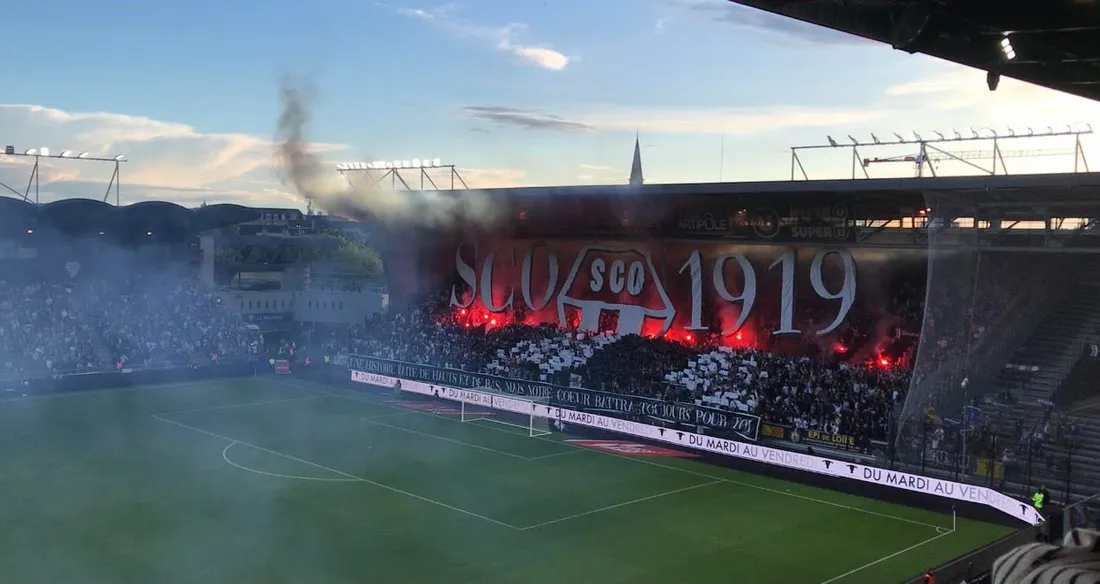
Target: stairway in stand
1033 375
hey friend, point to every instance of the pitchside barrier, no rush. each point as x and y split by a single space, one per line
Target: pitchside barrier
934 487
128 377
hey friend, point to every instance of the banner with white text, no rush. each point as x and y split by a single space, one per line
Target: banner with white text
753 452
712 420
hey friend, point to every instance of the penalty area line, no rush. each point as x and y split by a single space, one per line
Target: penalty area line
246 405
619 505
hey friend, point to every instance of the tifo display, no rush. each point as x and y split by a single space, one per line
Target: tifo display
625 280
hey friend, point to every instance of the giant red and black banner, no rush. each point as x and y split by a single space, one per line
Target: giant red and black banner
748 294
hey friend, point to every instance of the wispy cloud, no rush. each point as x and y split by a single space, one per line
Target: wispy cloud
953 90
165 160
778 28
528 119
726 121
504 38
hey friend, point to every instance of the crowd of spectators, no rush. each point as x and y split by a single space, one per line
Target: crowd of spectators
176 320
823 393
85 323
40 330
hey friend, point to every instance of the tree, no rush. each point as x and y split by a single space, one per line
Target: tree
356 257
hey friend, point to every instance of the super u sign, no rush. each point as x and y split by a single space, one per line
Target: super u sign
627 282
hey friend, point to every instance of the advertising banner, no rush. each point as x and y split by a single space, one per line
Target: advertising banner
821 223
827 440
722 446
711 420
813 438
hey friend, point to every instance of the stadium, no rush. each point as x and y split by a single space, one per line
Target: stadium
838 381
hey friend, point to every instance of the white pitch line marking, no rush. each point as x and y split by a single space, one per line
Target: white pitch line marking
339 472
225 457
245 405
444 439
371 420
885 558
556 454
618 505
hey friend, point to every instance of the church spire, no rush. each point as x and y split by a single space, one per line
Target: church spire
636 167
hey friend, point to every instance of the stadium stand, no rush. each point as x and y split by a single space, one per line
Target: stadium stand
857 392
102 293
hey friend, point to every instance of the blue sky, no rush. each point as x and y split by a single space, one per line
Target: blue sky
514 93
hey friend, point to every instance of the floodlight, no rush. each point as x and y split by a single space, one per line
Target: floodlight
120 157
66 153
44 151
1006 48
416 163
405 163
82 155
148 234
437 162
31 152
938 135
899 137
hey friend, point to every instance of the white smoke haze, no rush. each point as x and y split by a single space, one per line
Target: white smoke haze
359 197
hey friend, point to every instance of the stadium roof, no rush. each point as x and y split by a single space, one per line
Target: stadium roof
1056 42
1075 193
87 215
1036 183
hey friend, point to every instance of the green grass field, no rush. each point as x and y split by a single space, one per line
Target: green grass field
269 480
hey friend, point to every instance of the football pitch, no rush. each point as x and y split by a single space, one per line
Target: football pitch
266 480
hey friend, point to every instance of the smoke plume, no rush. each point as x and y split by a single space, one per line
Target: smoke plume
358 196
